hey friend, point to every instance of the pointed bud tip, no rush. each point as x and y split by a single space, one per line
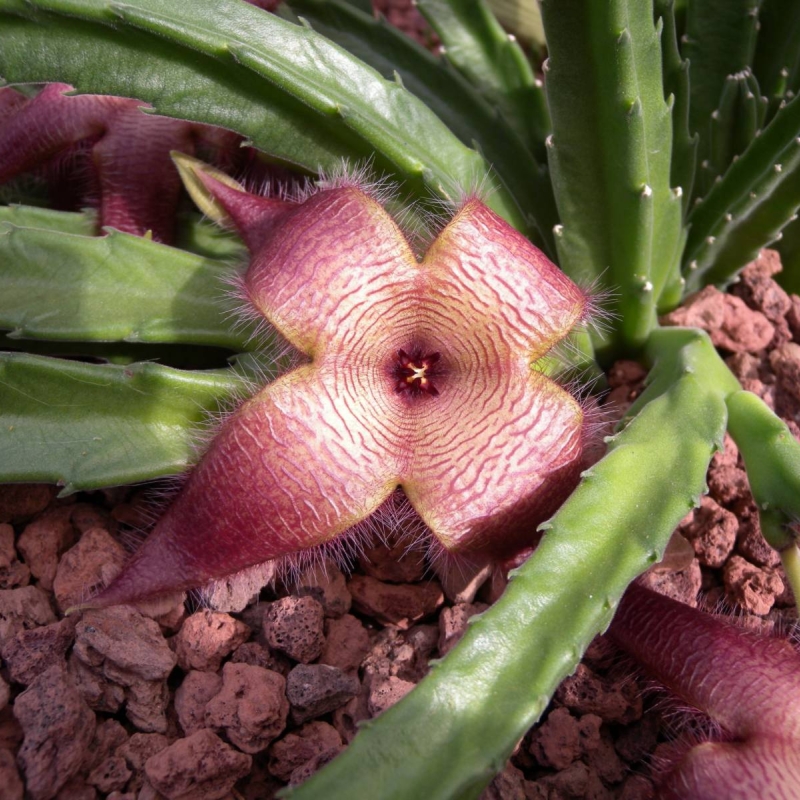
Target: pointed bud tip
195 175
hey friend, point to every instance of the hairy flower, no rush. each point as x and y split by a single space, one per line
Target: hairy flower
419 375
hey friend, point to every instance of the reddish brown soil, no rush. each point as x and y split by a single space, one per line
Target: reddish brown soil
113 704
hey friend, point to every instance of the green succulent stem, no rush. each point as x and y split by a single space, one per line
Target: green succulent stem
772 458
609 157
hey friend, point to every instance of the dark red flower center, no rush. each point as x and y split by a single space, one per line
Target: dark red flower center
414 372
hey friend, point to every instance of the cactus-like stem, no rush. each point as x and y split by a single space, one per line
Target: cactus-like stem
745 211
610 158
492 60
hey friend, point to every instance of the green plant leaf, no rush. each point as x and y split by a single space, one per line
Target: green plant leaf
83 223
776 62
676 84
465 111
746 210
494 63
719 41
789 248
116 287
85 426
455 730
292 92
610 158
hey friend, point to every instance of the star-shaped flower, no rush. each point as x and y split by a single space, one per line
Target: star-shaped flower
419 376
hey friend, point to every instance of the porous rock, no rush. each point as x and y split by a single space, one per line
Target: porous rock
58 727
192 696
13 572
346 643
92 563
749 586
300 746
397 604
31 652
453 623
385 692
294 626
10 778
43 541
23 609
20 501
729 322
712 531
325 582
315 689
587 693
251 707
206 637
199 767
127 649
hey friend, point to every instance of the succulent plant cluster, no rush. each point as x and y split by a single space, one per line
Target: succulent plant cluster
657 156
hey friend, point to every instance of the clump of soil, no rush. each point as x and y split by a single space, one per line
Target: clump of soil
212 704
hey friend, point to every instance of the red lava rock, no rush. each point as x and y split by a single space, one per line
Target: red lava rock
453 623
77 789
757 288
326 584
13 573
576 782
347 717
637 787
260 656
750 542
682 585
199 767
385 692
728 484
460 584
110 775
793 317
636 741
58 727
297 748
43 542
126 649
727 319
22 609
396 604
251 707
562 738
604 761
346 643
785 363
85 516
90 564
750 587
294 626
402 654
10 779
108 736
625 379
304 772
137 750
235 593
712 531
206 637
19 501
586 693
316 689
191 699
5 694
31 652
507 785
394 561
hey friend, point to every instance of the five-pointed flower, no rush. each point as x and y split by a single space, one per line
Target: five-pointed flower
419 375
